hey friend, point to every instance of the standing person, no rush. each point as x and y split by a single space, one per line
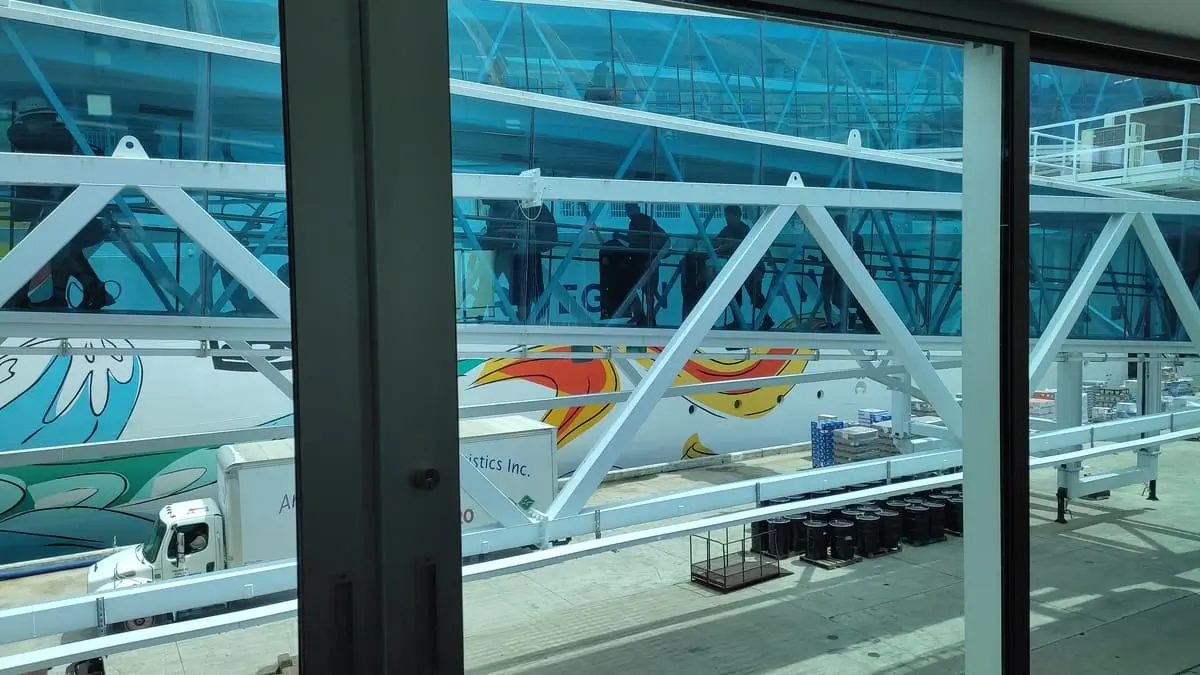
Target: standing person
835 293
36 128
542 231
729 238
601 89
518 240
833 289
645 239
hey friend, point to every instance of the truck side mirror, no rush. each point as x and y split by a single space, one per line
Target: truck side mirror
180 549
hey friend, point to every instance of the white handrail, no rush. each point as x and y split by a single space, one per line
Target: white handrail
73 652
84 612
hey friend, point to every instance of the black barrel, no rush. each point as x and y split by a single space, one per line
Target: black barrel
847 513
780 538
821 514
915 499
799 497
954 515
819 494
937 498
816 539
937 519
916 523
841 540
891 529
877 483
896 504
796 537
872 509
839 490
867 533
758 532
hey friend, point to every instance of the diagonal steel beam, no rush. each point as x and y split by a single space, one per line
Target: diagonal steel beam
207 233
891 327
264 367
1169 275
54 232
1076 297
675 355
485 493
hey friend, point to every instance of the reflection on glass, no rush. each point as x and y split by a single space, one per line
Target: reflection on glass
1112 567
633 120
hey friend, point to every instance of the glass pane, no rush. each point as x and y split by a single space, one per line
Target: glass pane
740 508
1111 563
109 301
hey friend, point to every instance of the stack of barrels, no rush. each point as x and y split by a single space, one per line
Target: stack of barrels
868 529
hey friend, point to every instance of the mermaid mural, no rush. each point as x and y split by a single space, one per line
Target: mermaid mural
63 399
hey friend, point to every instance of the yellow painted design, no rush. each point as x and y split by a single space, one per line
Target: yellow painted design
694 449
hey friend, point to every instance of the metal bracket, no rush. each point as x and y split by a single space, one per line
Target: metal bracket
533 196
101 615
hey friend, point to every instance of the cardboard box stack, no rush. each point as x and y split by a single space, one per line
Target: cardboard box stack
853 444
1044 404
1103 402
868 417
822 430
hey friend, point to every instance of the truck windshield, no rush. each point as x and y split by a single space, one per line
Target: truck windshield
154 543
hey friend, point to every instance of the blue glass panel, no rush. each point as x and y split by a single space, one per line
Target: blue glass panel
488 44
250 20
149 91
570 52
653 51
246 111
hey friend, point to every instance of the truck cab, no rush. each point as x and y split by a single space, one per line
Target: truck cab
188 538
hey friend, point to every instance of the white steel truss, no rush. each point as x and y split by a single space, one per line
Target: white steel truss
1047 348
101 178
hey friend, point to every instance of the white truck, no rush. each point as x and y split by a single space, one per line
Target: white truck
251 521
252 518
518 455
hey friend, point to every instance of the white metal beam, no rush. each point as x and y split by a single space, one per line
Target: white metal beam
493 335
488 496
1076 298
71 170
37 169
80 613
264 367
224 248
983 161
85 452
160 327
42 660
678 351
577 400
905 348
47 239
95 24
199 225
531 186
1163 261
